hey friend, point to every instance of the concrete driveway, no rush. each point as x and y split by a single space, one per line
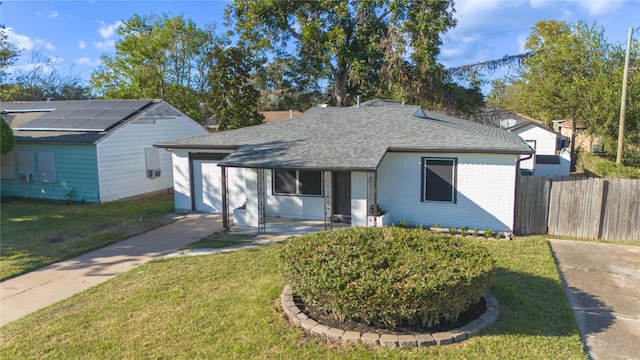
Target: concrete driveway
603 285
27 293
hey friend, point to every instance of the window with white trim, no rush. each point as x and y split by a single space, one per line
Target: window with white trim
152 162
297 182
47 167
439 179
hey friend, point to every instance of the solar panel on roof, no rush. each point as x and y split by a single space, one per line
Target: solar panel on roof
86 115
73 105
57 114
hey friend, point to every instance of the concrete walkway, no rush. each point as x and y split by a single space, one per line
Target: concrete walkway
27 293
603 285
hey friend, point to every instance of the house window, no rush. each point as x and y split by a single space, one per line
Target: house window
47 166
439 179
8 163
25 165
152 162
297 182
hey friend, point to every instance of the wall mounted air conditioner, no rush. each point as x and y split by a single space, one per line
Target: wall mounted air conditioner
25 177
153 173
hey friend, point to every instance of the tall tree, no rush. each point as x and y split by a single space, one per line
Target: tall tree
575 74
6 137
159 56
232 97
376 47
9 53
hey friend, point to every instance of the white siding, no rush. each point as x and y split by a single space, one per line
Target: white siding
545 140
485 191
121 156
292 207
358 199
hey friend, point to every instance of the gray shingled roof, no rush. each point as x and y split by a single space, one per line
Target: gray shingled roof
353 138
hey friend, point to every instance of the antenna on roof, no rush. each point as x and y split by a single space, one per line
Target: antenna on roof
508 123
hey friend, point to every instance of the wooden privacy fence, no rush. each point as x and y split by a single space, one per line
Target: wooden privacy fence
589 208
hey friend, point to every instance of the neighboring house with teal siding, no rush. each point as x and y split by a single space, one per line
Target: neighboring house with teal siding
91 150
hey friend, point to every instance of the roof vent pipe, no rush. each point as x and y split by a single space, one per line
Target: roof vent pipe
358 100
290 114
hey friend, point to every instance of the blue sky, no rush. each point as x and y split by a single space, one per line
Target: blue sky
77 33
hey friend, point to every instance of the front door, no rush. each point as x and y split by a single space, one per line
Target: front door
342 193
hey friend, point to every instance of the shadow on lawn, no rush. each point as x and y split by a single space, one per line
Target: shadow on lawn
535 305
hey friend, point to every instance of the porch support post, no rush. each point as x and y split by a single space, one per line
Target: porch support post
225 200
261 202
328 208
372 196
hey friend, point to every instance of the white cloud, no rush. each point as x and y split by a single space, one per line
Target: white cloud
51 14
104 45
522 40
86 61
108 30
599 7
26 43
82 44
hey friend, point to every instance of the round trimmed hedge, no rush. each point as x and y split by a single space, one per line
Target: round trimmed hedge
388 276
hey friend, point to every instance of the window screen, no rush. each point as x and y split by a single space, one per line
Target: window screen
47 166
294 182
25 162
439 180
8 170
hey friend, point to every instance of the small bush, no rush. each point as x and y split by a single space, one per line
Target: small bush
388 276
464 230
452 230
403 224
488 233
476 232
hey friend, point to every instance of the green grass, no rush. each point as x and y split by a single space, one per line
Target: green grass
36 233
220 239
226 306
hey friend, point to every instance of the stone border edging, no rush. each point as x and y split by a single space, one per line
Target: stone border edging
299 319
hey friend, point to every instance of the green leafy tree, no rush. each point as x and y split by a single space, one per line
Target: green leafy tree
9 53
6 136
232 98
573 73
159 56
379 48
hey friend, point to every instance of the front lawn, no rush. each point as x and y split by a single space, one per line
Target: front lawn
36 233
227 306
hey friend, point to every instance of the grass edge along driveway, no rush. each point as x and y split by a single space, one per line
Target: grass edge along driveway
227 306
36 233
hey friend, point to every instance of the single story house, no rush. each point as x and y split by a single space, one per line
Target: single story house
354 163
551 158
91 150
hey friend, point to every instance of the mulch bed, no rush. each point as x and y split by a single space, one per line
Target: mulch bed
472 313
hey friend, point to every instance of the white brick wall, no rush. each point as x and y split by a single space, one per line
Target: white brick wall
358 199
485 191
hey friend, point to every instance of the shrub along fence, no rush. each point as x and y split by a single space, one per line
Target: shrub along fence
589 208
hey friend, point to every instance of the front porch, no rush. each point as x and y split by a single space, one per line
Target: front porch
333 199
